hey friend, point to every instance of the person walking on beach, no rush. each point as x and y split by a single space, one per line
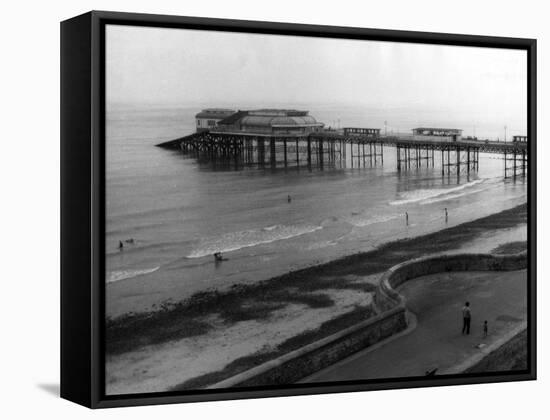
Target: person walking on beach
485 329
289 199
120 246
466 318
407 218
446 215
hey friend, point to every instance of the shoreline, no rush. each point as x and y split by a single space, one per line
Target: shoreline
362 264
354 226
312 288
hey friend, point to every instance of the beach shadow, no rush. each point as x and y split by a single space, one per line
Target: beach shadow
52 389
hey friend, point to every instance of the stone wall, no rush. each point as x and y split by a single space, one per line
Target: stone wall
309 359
400 273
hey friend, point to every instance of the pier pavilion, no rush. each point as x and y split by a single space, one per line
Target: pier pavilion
364 132
208 118
273 122
519 139
427 133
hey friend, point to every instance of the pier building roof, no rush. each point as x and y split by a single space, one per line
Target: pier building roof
270 120
279 112
232 119
215 113
436 131
260 120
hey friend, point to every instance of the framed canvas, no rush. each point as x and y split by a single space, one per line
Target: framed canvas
255 209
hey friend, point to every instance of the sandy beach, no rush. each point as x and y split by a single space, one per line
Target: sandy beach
215 334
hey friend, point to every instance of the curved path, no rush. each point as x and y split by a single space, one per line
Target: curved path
436 341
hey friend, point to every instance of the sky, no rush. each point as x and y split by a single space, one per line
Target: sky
163 66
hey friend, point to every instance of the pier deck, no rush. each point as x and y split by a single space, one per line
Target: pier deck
332 147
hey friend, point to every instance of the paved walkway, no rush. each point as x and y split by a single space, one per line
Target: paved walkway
437 342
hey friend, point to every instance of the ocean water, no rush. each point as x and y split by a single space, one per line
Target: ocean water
172 212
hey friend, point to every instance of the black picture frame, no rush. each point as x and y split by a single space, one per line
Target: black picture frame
83 212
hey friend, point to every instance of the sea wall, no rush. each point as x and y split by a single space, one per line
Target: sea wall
400 273
309 359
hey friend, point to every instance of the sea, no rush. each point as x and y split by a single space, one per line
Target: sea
172 212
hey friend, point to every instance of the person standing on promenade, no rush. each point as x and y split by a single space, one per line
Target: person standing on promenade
407 218
446 215
466 318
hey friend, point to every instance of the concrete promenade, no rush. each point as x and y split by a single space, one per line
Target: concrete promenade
436 341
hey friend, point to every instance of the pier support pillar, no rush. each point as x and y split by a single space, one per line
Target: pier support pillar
309 152
272 153
261 151
457 150
398 148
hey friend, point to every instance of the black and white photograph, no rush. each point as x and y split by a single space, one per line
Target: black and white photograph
287 210
297 210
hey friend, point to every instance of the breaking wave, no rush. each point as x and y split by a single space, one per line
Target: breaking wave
128 274
451 196
425 195
371 220
248 238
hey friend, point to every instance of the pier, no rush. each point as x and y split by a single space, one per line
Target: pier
330 149
261 150
273 138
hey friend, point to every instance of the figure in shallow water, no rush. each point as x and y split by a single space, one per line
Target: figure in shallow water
218 257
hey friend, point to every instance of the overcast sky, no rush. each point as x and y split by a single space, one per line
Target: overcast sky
188 67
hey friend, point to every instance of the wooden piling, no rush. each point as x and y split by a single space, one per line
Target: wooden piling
515 164
505 165
309 151
457 150
398 158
